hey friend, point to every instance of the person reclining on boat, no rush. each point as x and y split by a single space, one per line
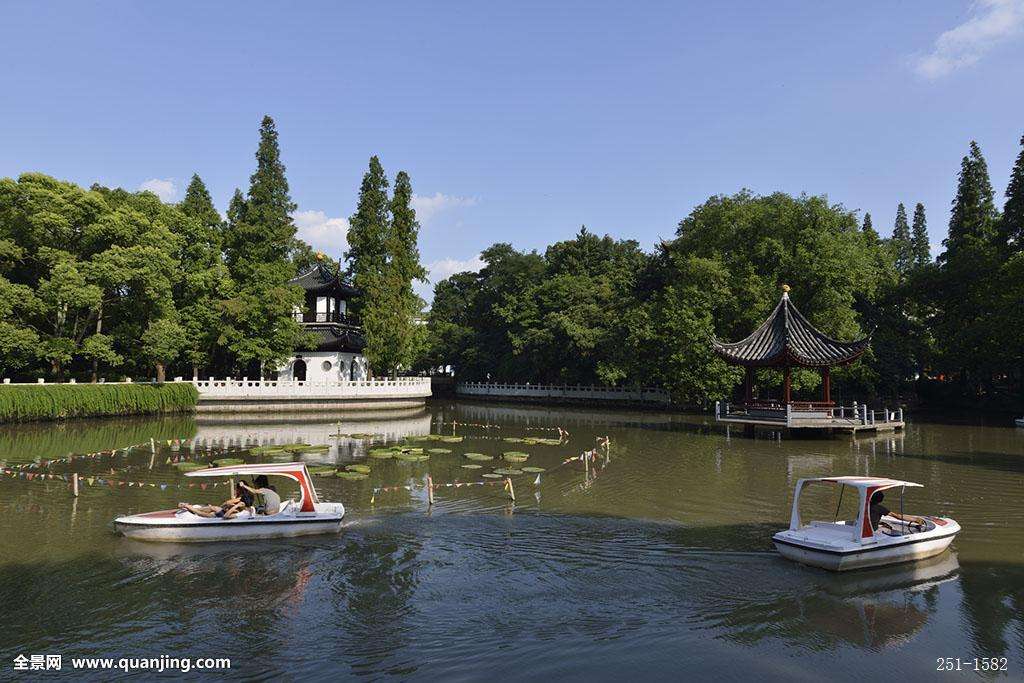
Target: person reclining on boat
267 501
877 511
226 510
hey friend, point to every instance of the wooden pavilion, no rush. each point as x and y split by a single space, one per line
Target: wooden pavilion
786 339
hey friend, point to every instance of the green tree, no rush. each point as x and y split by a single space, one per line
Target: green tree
869 232
204 279
162 341
1013 210
973 217
968 335
920 246
260 327
404 268
199 205
368 267
901 244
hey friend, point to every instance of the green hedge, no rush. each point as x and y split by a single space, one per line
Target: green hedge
19 403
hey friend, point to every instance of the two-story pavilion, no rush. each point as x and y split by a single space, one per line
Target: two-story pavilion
337 354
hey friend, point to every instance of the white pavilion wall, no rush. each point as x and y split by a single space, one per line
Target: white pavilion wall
326 366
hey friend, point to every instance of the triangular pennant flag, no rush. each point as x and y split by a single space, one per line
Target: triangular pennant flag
163 487
536 482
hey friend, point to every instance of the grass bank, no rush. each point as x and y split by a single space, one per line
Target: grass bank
21 403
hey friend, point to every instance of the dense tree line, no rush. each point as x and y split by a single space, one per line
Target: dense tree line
595 310
104 282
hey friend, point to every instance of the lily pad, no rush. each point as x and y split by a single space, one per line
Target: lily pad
365 437
412 457
281 457
224 462
262 450
308 449
353 476
533 470
381 453
411 451
471 466
338 435
507 471
550 442
439 450
515 456
513 439
322 471
364 469
452 439
479 456
189 466
491 475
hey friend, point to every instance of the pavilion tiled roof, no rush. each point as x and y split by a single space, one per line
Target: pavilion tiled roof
335 337
788 338
323 279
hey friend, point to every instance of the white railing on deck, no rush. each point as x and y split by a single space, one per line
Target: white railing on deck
402 387
793 414
561 391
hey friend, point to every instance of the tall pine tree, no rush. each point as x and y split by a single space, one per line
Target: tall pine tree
367 262
973 217
204 278
1013 211
383 261
404 265
920 247
901 246
870 234
967 331
261 331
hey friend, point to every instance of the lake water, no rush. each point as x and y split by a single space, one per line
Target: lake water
655 561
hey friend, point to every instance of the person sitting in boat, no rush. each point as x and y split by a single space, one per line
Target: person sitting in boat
226 510
877 511
268 502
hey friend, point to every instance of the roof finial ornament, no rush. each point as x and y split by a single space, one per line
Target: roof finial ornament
785 291
319 256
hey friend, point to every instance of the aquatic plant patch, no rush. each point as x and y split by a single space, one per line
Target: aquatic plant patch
59 401
224 462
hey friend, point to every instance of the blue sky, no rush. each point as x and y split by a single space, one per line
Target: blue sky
520 121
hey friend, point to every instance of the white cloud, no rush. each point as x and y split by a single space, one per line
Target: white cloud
165 188
439 270
429 206
992 21
329 235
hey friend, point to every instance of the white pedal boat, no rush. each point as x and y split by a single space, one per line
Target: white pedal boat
296 518
843 545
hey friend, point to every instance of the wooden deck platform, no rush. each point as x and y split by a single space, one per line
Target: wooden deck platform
847 419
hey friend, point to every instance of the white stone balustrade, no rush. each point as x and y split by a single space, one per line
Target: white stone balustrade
230 388
565 392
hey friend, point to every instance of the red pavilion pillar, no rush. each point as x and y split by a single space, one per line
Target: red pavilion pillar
787 394
826 384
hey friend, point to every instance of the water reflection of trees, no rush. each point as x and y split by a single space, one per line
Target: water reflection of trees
993 607
56 439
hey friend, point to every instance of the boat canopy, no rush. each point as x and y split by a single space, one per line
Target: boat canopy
293 470
866 488
876 483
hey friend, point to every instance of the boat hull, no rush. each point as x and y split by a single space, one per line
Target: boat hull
170 527
863 557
